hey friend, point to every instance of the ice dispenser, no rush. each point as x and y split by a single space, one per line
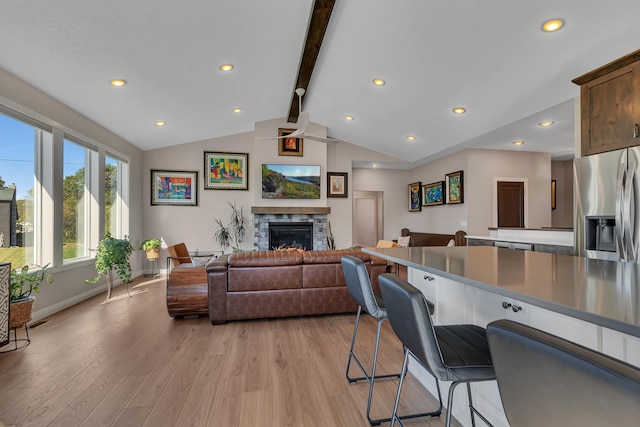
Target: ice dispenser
600 233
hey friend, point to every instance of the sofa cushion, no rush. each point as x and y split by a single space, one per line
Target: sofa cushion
322 276
261 305
332 257
264 258
264 278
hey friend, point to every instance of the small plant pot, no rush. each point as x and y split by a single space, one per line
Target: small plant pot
153 253
20 312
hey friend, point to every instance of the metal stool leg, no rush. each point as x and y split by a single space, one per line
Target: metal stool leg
395 417
471 407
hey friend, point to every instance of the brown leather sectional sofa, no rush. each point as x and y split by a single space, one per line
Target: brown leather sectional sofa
265 284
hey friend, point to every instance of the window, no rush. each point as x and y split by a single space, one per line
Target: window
113 197
75 200
20 231
58 192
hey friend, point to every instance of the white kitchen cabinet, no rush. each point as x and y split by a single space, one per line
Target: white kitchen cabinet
621 346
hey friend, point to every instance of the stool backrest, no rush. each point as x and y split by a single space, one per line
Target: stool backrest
359 286
546 380
409 316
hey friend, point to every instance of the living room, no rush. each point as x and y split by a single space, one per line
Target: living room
194 224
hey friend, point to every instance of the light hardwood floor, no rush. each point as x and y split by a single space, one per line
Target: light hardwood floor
127 363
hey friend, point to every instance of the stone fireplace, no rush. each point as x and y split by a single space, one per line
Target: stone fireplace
315 216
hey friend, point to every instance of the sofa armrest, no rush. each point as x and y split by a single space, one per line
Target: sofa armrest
217 277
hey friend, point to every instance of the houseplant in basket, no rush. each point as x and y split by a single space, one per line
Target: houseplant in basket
151 247
24 282
112 254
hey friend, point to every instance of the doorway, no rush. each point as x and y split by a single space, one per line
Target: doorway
510 204
368 218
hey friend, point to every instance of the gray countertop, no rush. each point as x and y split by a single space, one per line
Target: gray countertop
605 293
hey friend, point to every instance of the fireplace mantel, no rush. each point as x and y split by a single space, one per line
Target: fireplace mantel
280 210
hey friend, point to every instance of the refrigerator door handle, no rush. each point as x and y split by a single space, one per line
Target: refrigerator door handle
620 183
630 244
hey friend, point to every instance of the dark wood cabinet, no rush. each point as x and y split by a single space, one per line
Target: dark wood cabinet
610 106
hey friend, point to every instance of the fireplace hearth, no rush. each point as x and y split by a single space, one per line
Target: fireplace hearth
315 217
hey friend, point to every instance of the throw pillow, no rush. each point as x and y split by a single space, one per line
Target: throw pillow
403 241
451 243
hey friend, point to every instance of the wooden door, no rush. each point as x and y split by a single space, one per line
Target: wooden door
510 204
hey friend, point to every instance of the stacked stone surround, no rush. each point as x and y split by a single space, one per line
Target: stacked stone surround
261 227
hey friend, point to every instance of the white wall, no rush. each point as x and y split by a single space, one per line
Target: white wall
193 225
486 165
393 184
562 172
68 286
446 219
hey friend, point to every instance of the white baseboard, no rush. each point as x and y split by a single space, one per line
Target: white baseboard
52 309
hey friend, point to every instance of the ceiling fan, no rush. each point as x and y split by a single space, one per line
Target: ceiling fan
303 122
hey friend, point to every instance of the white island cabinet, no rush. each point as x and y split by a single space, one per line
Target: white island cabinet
585 301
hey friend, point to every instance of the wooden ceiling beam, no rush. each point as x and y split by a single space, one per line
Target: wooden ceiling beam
315 34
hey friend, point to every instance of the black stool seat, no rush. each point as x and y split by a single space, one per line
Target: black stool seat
465 352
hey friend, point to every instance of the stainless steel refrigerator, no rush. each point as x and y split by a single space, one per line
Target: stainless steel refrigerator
606 188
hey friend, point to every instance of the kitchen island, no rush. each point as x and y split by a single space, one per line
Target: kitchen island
592 302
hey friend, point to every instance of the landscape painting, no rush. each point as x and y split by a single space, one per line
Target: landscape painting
280 181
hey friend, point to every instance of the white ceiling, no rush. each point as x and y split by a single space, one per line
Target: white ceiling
489 56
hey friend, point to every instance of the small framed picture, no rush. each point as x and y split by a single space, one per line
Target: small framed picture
289 146
174 188
415 197
226 171
337 184
455 187
433 194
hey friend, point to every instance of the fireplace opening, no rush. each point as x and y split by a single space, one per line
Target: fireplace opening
296 235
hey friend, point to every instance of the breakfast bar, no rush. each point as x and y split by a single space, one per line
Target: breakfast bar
594 303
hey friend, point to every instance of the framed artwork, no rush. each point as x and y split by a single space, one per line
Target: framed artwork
415 197
337 184
226 171
455 188
553 194
289 146
433 194
174 188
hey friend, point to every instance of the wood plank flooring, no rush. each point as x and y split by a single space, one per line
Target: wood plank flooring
127 363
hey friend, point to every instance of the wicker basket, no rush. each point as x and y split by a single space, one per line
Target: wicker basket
153 253
20 312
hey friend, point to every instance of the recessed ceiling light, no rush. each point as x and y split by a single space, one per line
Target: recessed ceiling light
459 110
379 82
411 138
518 142
118 82
226 67
348 117
552 25
161 123
374 165
237 110
546 123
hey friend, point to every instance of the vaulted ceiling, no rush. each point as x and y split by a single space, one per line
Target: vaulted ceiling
489 57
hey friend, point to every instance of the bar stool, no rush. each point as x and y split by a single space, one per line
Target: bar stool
359 287
546 380
457 353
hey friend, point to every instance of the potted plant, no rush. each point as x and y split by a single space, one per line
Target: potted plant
113 253
23 283
151 247
234 232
